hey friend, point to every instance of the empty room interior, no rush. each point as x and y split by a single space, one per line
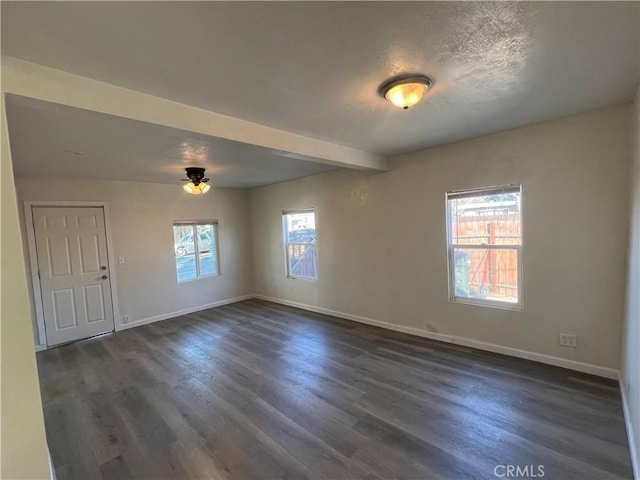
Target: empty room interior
324 240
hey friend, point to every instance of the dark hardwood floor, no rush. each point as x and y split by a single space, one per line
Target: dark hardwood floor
256 390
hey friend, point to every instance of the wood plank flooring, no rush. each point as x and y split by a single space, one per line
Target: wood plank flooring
256 390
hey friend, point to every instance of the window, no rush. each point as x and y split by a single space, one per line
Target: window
196 249
484 238
300 243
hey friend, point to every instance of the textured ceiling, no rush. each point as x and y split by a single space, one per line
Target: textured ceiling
313 67
82 144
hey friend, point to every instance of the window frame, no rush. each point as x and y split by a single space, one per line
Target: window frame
196 247
451 248
285 240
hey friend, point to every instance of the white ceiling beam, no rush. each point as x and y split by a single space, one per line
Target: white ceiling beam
51 85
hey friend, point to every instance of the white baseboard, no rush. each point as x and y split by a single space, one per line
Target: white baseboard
467 342
633 441
166 316
40 348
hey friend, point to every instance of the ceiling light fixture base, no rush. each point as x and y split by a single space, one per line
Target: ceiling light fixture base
197 183
405 91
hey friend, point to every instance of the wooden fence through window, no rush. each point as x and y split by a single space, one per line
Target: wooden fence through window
491 273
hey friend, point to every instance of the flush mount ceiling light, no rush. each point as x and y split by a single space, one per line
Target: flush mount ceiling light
405 91
197 183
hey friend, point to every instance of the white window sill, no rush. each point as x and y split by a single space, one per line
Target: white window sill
484 303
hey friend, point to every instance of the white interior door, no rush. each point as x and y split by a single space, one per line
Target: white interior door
74 274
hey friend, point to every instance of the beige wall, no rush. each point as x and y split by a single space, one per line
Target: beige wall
142 216
382 245
630 368
23 448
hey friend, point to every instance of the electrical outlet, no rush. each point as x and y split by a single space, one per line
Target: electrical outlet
126 318
568 340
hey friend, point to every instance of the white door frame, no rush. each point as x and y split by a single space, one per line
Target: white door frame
33 260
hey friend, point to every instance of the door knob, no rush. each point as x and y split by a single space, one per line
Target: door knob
103 268
104 277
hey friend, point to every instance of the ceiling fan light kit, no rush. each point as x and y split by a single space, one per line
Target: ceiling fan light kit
406 90
197 182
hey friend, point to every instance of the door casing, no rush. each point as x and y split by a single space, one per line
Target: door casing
33 261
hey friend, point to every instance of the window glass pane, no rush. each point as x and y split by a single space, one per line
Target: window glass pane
300 244
184 245
303 261
301 227
486 219
485 273
207 248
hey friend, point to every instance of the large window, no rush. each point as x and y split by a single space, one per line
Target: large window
485 246
299 228
196 249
